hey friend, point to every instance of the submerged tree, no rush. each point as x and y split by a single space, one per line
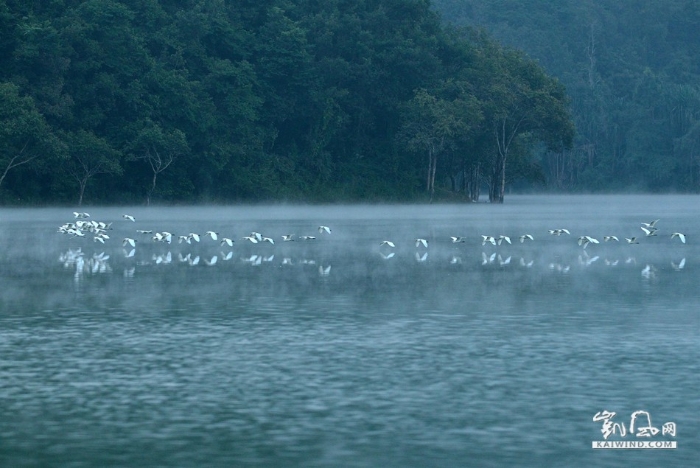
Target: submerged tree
522 100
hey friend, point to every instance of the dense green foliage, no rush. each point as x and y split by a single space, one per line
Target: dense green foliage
632 70
195 100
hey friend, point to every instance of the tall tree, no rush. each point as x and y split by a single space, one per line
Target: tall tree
25 137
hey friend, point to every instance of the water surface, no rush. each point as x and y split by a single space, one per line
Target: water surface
455 355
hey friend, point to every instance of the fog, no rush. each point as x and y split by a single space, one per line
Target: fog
308 347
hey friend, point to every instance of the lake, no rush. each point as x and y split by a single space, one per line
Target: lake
339 351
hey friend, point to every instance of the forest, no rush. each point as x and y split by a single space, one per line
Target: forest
107 101
632 72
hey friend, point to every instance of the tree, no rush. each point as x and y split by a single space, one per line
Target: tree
432 124
25 137
159 148
521 99
90 155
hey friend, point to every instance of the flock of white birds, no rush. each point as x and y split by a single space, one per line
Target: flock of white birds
82 226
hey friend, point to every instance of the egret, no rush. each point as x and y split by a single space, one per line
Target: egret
488 239
679 235
503 238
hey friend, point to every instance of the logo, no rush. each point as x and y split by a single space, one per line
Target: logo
640 426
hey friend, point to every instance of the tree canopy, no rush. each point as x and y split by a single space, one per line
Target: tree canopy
632 71
112 101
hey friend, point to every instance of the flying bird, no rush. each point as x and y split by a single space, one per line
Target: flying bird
610 238
679 235
386 242
422 242
129 218
525 237
322 229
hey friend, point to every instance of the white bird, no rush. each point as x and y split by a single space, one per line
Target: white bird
167 237
288 238
181 239
129 218
648 232
141 231
194 236
651 224
212 234
98 239
559 232
227 241
80 215
386 242
679 235
525 237
322 229
585 240
488 239
503 238
610 238
422 242
268 239
256 235
456 240
631 240
130 241
251 238
307 238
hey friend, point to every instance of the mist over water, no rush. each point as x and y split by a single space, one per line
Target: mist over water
341 352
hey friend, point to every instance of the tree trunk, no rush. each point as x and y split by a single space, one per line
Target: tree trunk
153 188
83 183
